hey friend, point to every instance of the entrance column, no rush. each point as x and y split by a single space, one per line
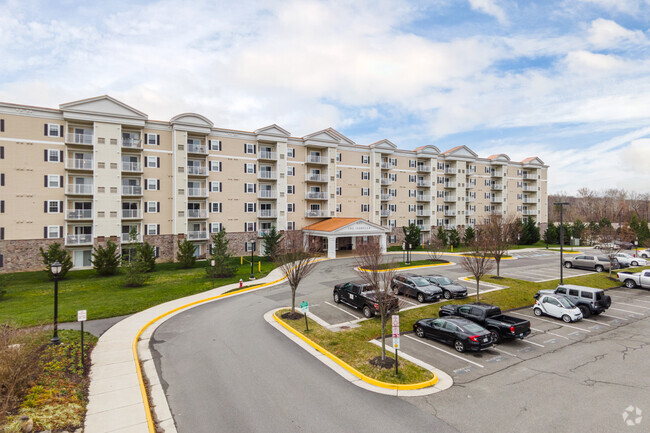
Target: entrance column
382 243
331 247
305 241
354 243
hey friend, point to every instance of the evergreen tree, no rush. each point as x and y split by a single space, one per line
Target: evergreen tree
604 223
148 255
413 238
551 235
469 236
454 238
223 263
578 228
106 260
271 241
134 263
634 224
529 232
644 232
442 236
55 253
185 255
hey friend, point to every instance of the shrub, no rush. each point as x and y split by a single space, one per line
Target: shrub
271 241
106 260
223 265
413 238
149 256
185 255
56 253
454 238
4 282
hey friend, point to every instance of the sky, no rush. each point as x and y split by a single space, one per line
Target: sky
565 80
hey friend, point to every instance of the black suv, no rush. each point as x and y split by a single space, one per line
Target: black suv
449 288
417 287
587 299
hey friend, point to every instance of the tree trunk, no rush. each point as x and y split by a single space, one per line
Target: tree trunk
383 338
498 260
293 300
477 282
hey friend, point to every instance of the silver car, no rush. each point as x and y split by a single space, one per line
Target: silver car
626 259
585 261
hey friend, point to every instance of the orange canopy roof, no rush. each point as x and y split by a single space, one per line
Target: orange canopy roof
331 224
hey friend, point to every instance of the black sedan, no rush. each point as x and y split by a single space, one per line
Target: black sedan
450 290
456 331
416 287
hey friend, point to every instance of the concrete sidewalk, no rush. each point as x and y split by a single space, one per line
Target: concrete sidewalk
116 404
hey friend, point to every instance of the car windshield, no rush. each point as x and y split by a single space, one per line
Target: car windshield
419 281
603 259
473 327
566 303
444 280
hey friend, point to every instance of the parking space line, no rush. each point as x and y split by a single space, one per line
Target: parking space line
626 311
595 321
555 323
613 317
532 342
442 350
341 309
549 332
632 305
403 298
504 352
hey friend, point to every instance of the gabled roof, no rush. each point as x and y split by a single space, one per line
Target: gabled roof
323 135
341 137
273 130
345 227
330 224
533 160
383 144
192 119
103 106
500 157
461 151
428 149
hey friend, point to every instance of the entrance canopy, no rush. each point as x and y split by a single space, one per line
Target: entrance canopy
337 228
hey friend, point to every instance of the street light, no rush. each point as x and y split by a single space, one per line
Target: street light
56 269
212 272
406 241
252 241
561 204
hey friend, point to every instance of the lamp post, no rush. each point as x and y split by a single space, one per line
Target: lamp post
561 204
56 269
406 241
212 272
252 241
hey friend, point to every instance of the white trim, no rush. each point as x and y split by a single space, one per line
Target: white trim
19 141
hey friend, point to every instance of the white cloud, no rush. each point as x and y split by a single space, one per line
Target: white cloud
608 34
625 6
491 8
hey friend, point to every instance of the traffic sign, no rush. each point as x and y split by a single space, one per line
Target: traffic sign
81 316
304 307
396 343
395 320
396 331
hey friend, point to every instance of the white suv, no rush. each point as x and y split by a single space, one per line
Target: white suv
557 306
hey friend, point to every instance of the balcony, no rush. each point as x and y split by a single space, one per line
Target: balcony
385 213
316 214
426 168
197 213
197 148
496 186
529 200
497 173
76 189
265 154
315 159
267 193
386 181
80 214
529 212
496 212
469 198
422 213
79 164
423 228
131 167
131 213
131 190
496 200
470 185
423 184
263 232
449 212
450 198
200 235
450 184
197 192
449 226
422 197
316 195
79 138
267 213
79 240
309 177
387 165
197 170
531 188
126 238
267 174
386 197
131 143
450 170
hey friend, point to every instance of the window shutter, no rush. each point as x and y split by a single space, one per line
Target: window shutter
61 130
2 233
157 231
255 188
245 187
146 185
1 261
158 184
45 132
244 147
60 156
157 206
158 162
2 125
255 226
245 208
45 206
254 168
157 140
146 207
61 206
2 152
146 229
254 148
254 207
45 232
60 231
45 154
60 181
45 180
245 167
2 206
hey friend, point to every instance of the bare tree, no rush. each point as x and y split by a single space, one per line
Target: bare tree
378 275
435 248
500 234
608 248
296 260
477 261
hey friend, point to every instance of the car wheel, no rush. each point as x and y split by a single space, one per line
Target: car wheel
635 263
395 290
367 312
496 337
630 284
419 332
446 294
459 346
568 265
585 311
645 256
537 311
420 298
566 318
599 268
337 298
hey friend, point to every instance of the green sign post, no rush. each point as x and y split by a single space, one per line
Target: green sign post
304 307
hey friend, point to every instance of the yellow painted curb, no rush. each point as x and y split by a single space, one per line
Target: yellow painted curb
354 371
408 267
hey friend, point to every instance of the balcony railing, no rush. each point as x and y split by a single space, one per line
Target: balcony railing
267 213
497 173
426 168
265 154
130 213
267 193
267 174
79 239
132 143
131 190
197 213
387 165
386 197
133 167
79 189
450 170
263 232
316 214
450 212
470 184
197 148
450 184
529 212
316 195
80 214
529 188
309 177
126 238
385 212
470 212
386 181
496 199
198 170
423 228
79 164
422 212
423 183
469 198
197 192
315 159
529 200
80 138
421 197
449 226
450 198
200 235
496 186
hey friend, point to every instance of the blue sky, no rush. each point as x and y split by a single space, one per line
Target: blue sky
565 80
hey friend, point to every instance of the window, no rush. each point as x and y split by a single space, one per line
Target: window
52 232
412 163
392 207
338 174
441 194
519 208
487 170
291 189
215 207
338 190
365 175
216 166
441 179
365 159
53 206
151 229
339 208
51 181
52 130
152 184
250 207
520 196
153 207
291 171
393 176
215 227
411 193
249 148
392 223
441 166
215 186
249 246
365 208
411 208
291 207
392 239
339 157
249 168
365 192
214 144
520 184
486 208
152 161
440 208
249 226
520 173
411 178
152 139
291 225
53 155
392 192
487 182
487 195
291 152
250 188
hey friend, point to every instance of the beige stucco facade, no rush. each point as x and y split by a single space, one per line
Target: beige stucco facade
94 169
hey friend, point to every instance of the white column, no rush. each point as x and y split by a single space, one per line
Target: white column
331 247
305 240
354 242
382 243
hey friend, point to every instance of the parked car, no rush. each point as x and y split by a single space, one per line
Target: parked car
461 333
490 317
449 288
361 296
624 245
625 259
558 306
639 279
587 299
597 263
644 253
417 287
605 246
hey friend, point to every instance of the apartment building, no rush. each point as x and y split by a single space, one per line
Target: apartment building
93 169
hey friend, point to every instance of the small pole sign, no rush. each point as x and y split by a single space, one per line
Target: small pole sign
81 318
304 307
395 320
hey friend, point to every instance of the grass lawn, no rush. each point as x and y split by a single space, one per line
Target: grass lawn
30 295
462 248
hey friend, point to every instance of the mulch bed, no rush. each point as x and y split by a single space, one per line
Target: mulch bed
386 363
292 316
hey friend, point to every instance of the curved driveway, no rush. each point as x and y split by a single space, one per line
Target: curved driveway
224 369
